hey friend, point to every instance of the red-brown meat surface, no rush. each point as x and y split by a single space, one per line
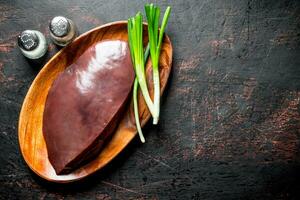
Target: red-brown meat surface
85 103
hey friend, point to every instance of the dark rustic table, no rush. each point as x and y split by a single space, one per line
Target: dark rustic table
229 126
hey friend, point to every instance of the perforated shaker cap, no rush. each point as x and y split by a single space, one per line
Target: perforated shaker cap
28 40
59 26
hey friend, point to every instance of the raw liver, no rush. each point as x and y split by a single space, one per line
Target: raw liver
85 102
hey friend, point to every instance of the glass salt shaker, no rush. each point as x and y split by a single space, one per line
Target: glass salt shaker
32 44
62 30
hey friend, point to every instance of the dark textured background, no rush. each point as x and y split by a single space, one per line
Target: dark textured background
229 126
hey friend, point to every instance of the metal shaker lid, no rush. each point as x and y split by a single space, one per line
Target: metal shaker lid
59 26
28 40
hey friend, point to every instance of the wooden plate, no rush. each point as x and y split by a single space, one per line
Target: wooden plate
31 139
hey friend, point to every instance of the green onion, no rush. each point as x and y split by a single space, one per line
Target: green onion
135 101
155 40
135 38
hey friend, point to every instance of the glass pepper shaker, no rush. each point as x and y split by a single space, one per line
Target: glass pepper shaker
32 44
62 30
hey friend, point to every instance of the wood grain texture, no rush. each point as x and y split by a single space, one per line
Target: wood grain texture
31 140
229 126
